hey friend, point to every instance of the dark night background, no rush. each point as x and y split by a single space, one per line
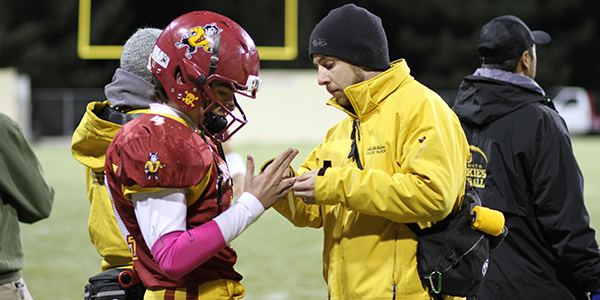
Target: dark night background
437 37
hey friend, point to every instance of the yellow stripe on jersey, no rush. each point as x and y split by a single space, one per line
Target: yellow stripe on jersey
129 190
197 190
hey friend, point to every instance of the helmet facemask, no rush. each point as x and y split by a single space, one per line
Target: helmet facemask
221 128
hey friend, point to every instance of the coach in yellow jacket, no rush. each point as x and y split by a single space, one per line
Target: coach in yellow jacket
399 157
128 96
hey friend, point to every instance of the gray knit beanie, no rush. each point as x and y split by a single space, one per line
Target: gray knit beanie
137 50
352 34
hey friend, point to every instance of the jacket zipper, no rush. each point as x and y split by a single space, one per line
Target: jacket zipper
394 271
355 136
339 292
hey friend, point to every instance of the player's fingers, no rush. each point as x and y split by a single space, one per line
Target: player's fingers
249 168
283 169
274 166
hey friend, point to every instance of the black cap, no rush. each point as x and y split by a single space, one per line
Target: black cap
352 34
507 37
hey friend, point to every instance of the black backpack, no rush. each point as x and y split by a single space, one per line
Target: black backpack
452 257
108 285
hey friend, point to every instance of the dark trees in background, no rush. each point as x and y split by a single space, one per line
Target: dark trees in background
437 37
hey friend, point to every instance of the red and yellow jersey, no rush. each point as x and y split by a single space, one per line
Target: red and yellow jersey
155 152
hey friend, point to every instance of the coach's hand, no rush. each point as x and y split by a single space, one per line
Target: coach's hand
304 187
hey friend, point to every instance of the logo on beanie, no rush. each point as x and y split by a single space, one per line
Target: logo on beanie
199 37
319 42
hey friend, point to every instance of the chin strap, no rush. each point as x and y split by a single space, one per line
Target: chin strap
214 59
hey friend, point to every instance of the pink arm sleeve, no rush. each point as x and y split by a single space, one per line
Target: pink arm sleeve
179 252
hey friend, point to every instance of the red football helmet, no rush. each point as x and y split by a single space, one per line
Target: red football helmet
206 46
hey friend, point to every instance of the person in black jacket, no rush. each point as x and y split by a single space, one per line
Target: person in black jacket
523 165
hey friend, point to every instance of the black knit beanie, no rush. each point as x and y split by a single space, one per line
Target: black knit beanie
352 34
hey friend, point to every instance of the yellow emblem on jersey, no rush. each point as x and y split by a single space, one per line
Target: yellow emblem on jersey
152 166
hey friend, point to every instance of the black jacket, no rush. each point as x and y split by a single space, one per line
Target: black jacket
523 165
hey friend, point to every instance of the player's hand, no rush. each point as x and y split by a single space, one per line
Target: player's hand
274 182
304 187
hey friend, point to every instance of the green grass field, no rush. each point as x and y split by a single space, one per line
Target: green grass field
277 260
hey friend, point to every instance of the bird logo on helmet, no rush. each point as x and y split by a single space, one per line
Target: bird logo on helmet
229 55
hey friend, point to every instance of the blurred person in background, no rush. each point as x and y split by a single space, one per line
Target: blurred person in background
523 165
398 157
26 197
128 96
165 171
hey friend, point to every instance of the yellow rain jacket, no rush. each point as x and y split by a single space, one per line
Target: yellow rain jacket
414 154
88 146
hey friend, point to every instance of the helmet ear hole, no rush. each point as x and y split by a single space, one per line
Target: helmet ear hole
245 47
179 78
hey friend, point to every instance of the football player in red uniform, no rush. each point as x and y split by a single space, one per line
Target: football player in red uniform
169 184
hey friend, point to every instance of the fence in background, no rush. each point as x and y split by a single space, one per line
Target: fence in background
57 112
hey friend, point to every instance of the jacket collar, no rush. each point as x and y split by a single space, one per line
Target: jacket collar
128 89
490 94
167 111
513 78
367 95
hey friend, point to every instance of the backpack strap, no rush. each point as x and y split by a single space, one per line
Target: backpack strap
414 227
113 115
